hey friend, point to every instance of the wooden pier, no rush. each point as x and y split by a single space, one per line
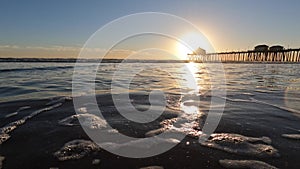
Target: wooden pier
278 56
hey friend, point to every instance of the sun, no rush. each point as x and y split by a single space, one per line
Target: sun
182 50
189 42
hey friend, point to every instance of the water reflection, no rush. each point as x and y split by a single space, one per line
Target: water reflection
292 95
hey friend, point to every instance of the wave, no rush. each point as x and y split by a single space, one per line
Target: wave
36 68
252 100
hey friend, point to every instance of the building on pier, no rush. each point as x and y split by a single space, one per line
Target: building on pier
276 48
260 53
261 48
197 55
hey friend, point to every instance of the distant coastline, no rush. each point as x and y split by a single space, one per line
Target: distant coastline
73 60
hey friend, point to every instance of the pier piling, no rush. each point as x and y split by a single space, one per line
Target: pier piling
281 56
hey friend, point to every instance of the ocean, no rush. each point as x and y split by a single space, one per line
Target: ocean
260 124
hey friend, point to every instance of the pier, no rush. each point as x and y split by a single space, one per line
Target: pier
261 53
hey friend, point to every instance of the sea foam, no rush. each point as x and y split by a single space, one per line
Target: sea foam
247 164
242 145
17 112
4 131
291 136
88 120
76 149
153 167
146 144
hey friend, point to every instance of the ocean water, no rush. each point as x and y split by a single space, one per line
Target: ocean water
23 80
260 123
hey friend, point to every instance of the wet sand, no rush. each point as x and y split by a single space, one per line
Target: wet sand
34 143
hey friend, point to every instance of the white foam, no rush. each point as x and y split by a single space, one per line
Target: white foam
96 161
17 112
291 136
185 123
250 164
8 128
188 130
76 149
11 114
4 137
23 108
153 167
43 110
238 144
83 110
113 131
141 143
155 132
4 131
88 120
248 94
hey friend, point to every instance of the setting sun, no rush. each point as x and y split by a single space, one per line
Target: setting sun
189 42
182 50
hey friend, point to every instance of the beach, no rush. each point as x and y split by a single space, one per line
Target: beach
39 126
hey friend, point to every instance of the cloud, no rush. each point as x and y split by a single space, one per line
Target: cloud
58 52
8 47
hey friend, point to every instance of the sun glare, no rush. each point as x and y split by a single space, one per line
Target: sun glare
182 51
190 42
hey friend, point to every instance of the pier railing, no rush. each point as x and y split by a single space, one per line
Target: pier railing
286 55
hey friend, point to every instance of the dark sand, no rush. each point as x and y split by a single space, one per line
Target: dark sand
33 144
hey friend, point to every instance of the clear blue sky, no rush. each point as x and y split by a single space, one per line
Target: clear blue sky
228 24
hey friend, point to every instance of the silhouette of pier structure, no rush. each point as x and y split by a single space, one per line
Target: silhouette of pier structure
261 53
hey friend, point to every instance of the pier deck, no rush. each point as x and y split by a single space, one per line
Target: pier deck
286 55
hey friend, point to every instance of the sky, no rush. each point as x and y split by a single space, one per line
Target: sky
34 28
